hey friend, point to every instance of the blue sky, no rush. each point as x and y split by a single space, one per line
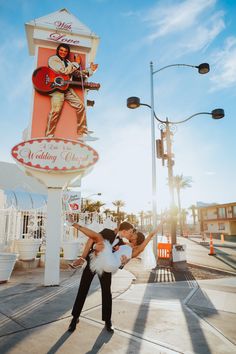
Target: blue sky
133 33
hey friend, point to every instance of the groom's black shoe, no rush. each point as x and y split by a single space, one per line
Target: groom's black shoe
73 324
109 327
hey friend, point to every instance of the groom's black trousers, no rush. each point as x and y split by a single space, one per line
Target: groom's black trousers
85 282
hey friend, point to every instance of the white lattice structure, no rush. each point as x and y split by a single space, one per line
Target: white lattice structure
30 224
9 226
19 224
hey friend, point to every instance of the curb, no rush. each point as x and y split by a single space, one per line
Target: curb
220 271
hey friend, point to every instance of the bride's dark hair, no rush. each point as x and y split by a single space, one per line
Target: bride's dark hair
140 238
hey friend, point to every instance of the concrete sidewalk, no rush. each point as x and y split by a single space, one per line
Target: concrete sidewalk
170 317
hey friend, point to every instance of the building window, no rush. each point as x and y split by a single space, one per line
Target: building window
221 213
221 226
234 211
205 227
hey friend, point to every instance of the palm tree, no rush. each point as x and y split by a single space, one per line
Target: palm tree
118 204
107 212
132 218
121 216
141 215
193 209
181 182
97 205
148 217
184 214
91 206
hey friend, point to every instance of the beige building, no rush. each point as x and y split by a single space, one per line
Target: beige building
218 219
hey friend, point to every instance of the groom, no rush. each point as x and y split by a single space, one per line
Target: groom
125 230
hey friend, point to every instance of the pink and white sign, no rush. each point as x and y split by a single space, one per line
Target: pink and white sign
55 155
71 200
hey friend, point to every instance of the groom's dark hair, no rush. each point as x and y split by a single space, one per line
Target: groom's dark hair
125 226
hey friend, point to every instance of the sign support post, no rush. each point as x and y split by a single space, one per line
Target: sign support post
53 241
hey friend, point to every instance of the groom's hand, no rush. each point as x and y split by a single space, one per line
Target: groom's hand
115 248
124 260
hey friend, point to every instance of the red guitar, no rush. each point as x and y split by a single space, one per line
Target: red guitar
45 80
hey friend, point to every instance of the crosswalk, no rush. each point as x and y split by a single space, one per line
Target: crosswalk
167 275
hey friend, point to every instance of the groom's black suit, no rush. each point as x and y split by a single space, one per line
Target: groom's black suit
105 281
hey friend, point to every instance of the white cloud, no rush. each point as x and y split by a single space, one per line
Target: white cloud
209 173
192 24
203 35
176 17
225 65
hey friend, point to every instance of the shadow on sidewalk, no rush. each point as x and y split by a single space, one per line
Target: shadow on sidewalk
25 307
192 321
59 343
103 338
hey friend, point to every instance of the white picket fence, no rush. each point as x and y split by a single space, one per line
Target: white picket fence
18 224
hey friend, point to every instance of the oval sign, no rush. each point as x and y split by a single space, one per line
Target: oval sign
55 154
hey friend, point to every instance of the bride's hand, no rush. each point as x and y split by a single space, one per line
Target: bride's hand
70 219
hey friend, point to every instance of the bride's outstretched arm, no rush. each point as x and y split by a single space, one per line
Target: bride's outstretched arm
138 249
96 237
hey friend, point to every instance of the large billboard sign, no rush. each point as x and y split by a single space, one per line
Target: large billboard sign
57 155
65 51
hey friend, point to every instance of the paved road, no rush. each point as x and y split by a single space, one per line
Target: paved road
225 258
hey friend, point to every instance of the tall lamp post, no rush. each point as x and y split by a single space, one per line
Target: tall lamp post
134 102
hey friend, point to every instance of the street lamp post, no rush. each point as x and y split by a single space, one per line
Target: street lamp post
134 102
153 140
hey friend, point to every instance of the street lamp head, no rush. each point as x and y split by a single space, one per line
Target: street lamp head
218 113
203 68
91 195
133 102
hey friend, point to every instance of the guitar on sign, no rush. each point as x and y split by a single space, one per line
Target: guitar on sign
46 80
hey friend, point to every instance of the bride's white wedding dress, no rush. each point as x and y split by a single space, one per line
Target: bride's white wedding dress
108 261
148 258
